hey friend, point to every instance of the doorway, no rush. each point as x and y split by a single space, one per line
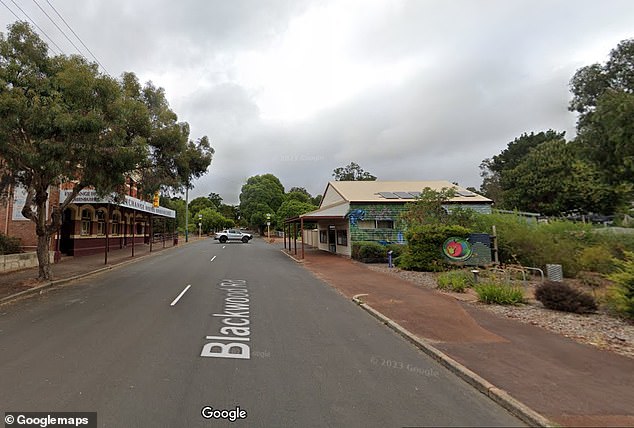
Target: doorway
332 239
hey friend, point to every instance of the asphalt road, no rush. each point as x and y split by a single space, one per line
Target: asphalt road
254 330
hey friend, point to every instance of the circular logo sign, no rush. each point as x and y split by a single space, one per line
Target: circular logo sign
456 249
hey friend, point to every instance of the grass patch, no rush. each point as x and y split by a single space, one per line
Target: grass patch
491 292
455 280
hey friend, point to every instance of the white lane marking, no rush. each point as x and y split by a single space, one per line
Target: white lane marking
212 259
180 295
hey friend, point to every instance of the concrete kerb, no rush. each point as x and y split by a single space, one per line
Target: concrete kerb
498 395
292 257
41 288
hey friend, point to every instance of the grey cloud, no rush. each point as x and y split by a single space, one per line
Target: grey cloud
488 71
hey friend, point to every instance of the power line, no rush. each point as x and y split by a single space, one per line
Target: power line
57 26
78 38
5 5
37 26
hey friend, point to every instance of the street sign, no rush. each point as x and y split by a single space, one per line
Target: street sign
268 223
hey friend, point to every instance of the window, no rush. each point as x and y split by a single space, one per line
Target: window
101 223
116 219
375 224
85 222
323 236
342 237
385 224
366 224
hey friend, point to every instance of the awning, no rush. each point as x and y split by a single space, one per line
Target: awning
88 196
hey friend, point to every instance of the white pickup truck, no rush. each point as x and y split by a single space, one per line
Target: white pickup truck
233 235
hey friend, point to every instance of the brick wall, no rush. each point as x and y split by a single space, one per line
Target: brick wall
22 229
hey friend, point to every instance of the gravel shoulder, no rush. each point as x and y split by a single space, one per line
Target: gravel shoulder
600 329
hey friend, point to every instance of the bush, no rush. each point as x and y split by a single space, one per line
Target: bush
9 245
621 295
597 258
562 297
424 247
455 280
373 252
498 293
575 246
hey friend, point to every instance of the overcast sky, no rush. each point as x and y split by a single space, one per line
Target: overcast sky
409 90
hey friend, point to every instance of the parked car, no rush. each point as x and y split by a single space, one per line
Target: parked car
233 235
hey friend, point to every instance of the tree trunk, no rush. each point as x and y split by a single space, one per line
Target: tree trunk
43 244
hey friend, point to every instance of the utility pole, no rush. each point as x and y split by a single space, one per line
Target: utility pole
186 212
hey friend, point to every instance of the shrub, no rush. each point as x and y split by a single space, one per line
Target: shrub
498 293
397 250
455 280
621 295
597 258
424 247
373 252
562 297
575 246
9 244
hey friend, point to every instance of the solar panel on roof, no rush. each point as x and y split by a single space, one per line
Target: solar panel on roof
388 195
403 195
414 194
466 193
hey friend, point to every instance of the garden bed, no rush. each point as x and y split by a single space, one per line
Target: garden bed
597 329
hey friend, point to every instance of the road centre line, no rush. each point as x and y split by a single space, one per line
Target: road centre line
212 259
180 295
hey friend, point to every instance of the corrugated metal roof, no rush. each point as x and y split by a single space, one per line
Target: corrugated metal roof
370 191
339 210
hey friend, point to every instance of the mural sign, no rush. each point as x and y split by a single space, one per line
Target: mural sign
457 249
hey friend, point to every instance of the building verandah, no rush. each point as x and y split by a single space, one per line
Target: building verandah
93 225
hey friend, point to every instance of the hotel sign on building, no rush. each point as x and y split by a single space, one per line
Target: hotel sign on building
87 196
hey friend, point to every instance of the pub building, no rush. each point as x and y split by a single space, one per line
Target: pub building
91 223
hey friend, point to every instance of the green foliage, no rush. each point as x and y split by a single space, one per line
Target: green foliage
300 194
492 292
429 207
261 195
560 296
491 169
593 173
424 246
229 211
171 160
432 207
9 244
215 199
212 220
621 295
177 204
455 280
352 172
369 251
552 179
63 121
200 203
597 258
537 244
603 97
373 252
293 208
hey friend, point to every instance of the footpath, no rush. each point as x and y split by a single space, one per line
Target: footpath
544 378
70 268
